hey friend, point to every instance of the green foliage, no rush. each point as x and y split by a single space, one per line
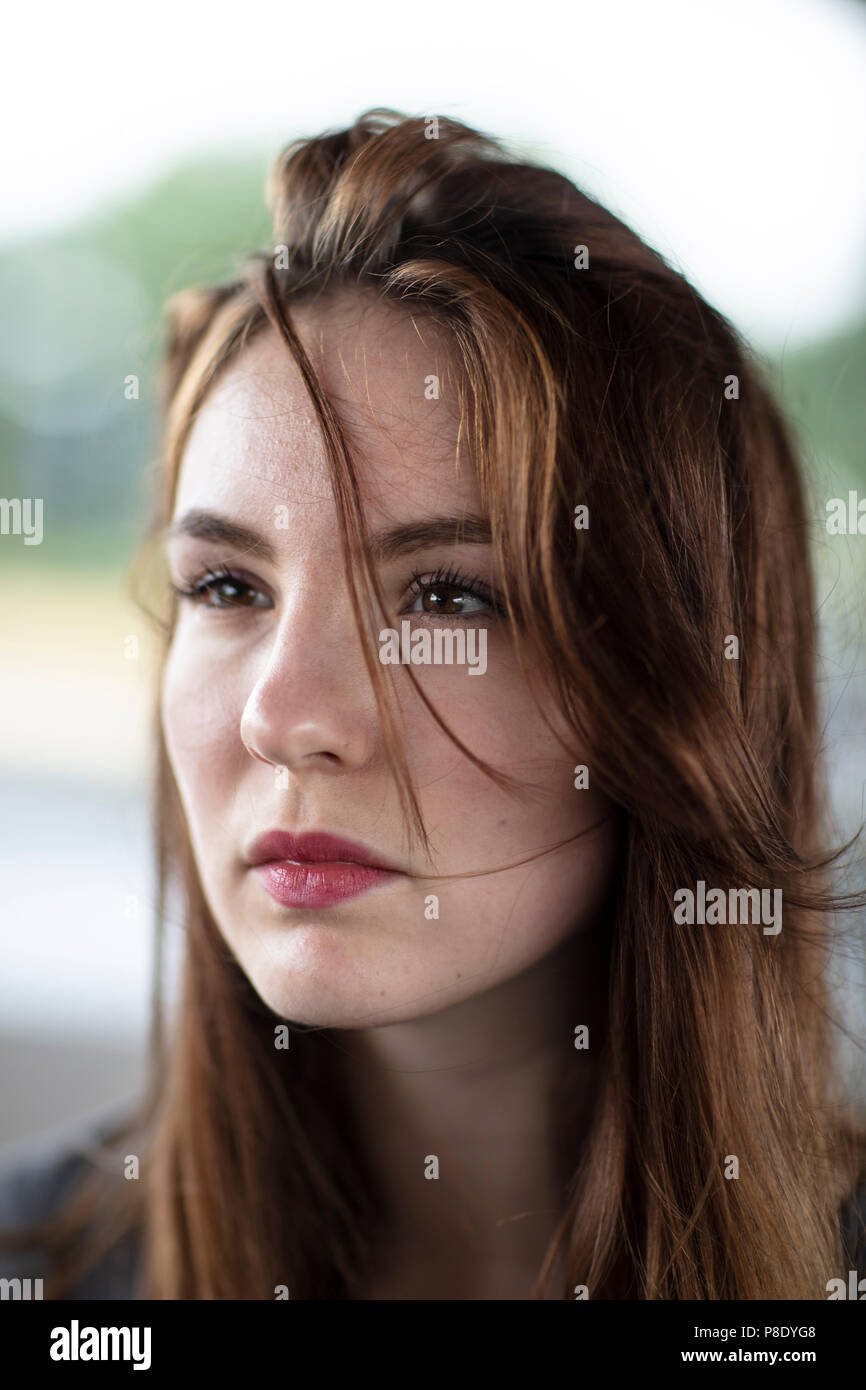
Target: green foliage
822 387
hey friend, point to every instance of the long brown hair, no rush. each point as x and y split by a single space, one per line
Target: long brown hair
593 375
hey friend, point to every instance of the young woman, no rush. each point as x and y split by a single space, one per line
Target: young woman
488 776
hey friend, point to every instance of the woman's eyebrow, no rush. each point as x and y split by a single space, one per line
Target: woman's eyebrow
203 525
386 545
434 530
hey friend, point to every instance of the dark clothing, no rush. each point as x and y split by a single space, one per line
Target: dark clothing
36 1181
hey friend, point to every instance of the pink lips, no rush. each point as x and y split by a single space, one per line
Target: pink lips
315 870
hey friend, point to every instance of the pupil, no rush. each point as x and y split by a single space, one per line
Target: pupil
229 592
451 603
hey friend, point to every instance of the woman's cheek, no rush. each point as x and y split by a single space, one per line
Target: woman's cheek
495 715
201 704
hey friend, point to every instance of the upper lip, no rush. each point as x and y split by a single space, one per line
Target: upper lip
312 847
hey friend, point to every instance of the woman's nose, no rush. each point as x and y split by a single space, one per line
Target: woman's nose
312 705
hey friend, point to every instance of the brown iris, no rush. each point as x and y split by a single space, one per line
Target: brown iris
443 598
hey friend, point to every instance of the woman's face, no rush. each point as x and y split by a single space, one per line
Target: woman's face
270 718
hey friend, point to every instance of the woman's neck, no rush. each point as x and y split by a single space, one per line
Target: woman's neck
472 1119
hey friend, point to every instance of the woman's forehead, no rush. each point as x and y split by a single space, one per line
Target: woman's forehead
257 432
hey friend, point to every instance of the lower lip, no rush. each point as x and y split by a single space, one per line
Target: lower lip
318 885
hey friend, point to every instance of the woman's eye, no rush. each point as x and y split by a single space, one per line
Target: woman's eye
224 590
448 598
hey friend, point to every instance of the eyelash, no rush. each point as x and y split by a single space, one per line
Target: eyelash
197 590
454 578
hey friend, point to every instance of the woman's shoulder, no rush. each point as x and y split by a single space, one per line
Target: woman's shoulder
38 1177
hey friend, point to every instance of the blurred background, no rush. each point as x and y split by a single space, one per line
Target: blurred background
730 135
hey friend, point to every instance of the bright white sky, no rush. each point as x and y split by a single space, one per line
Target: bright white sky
730 132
